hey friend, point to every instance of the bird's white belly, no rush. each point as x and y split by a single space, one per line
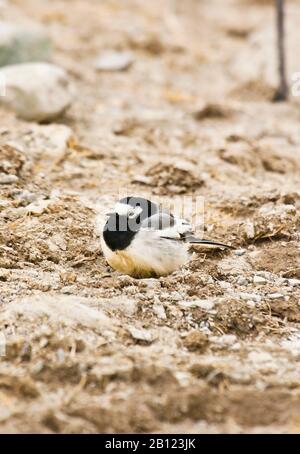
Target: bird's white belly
148 255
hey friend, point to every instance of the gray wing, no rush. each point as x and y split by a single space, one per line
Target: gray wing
173 228
159 221
168 226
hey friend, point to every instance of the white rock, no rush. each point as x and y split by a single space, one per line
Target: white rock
240 252
249 229
44 142
114 61
275 296
225 340
236 346
141 334
241 280
4 204
69 310
250 297
230 266
25 197
159 310
206 305
57 242
259 280
8 179
23 43
121 304
294 282
152 283
39 207
36 91
224 284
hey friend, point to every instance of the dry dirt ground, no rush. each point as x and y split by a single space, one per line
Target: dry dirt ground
215 347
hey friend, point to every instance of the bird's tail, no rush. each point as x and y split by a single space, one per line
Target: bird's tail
193 240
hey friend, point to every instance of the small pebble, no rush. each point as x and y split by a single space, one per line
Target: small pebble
294 282
36 91
159 310
8 179
275 296
250 297
152 283
60 355
114 61
37 367
206 305
225 339
37 208
224 284
242 280
196 341
259 280
140 334
24 197
240 252
236 346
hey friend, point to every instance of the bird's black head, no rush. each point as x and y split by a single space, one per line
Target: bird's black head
125 221
138 206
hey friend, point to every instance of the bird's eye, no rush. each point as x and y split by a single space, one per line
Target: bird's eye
131 215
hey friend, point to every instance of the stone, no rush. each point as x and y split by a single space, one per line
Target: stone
38 208
36 91
196 341
141 335
259 280
275 296
8 179
249 230
224 284
126 306
228 339
113 61
24 197
159 310
152 283
230 266
70 310
206 305
46 143
294 282
240 252
241 280
23 43
250 297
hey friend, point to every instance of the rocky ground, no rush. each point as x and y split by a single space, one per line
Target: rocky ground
183 110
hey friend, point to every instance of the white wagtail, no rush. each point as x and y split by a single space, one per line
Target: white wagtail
142 240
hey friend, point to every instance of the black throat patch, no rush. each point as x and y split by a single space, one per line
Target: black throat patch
117 232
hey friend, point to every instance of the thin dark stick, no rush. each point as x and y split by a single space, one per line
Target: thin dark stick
282 91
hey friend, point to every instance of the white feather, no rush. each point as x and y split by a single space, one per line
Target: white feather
148 255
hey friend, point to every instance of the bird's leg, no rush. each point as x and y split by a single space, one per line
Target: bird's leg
282 91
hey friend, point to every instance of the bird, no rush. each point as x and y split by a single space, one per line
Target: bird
143 240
